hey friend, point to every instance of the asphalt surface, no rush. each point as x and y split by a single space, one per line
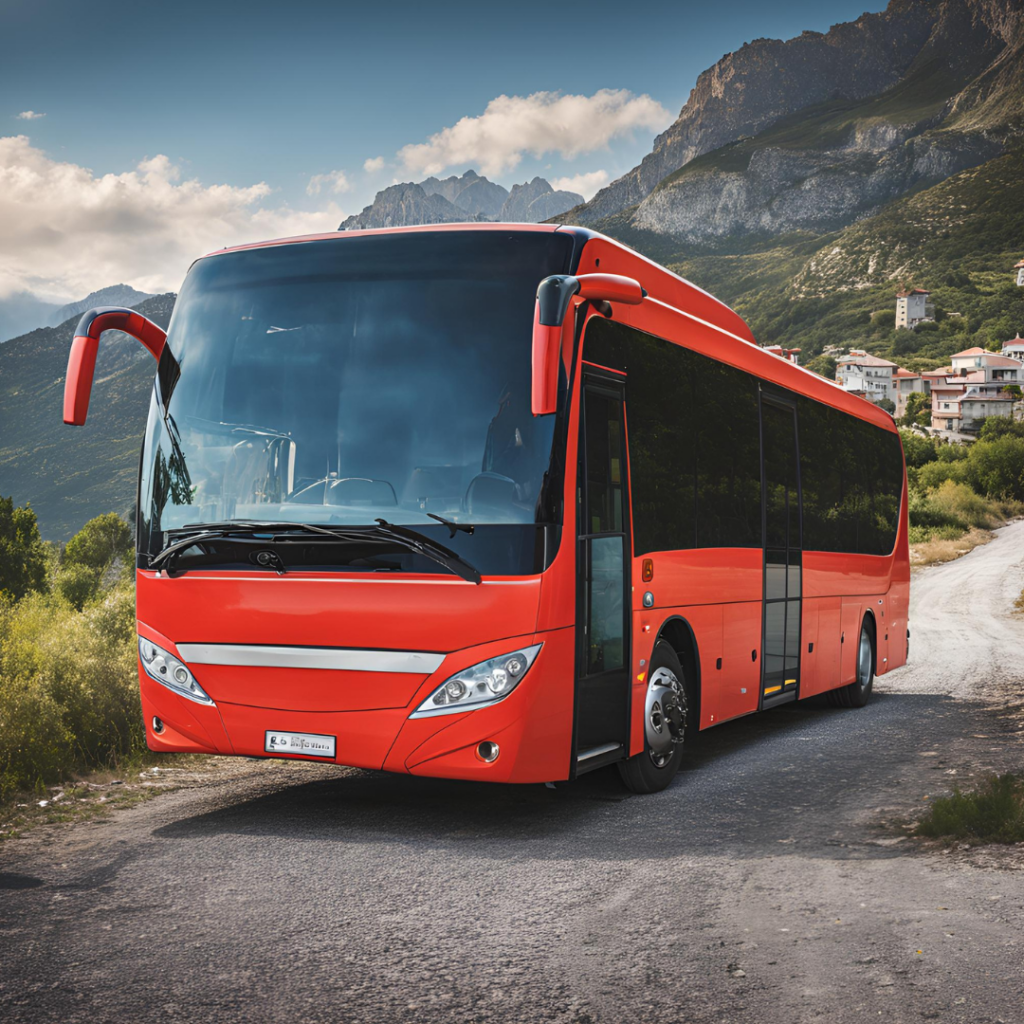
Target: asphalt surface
770 883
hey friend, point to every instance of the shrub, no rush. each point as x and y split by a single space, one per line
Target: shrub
68 688
997 467
77 584
992 813
917 449
956 502
934 474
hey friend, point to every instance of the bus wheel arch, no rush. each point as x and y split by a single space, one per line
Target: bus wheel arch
678 633
856 694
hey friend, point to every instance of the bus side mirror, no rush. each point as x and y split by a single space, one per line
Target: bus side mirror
554 297
82 360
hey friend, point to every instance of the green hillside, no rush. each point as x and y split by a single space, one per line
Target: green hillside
71 474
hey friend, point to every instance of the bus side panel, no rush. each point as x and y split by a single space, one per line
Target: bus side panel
738 684
820 669
853 616
836 574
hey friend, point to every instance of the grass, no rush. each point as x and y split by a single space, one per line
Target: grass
938 548
993 812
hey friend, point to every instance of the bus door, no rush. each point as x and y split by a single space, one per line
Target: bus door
601 722
781 511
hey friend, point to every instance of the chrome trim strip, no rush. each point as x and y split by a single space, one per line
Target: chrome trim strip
338 658
605 748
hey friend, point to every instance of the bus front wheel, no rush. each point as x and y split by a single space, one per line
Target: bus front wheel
666 724
856 694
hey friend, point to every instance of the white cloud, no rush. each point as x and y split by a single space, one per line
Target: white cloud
333 181
29 115
586 183
373 164
543 122
67 230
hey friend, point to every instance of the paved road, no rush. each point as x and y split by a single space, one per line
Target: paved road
760 887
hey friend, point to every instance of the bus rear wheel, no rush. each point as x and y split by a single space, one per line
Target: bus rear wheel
666 724
857 693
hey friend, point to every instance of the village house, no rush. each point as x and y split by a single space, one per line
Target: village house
904 384
866 375
972 388
1014 348
913 307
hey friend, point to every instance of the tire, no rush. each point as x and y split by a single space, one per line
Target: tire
857 693
668 724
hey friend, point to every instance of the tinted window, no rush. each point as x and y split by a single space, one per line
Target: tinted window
852 480
693 441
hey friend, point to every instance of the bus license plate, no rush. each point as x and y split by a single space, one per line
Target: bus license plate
304 743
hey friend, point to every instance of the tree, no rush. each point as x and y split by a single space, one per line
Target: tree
99 542
887 404
918 450
22 556
918 410
1014 391
824 366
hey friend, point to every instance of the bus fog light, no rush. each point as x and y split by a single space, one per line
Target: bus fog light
167 670
488 751
479 685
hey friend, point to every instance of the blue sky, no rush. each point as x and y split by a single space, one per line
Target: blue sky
238 94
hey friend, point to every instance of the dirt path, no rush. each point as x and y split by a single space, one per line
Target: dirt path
761 887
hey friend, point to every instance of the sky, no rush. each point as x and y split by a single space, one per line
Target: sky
135 136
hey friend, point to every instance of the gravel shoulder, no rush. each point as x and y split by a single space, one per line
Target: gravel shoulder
770 883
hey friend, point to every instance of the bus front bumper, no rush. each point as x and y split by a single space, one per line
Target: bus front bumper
532 726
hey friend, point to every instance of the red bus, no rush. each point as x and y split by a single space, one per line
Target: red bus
501 503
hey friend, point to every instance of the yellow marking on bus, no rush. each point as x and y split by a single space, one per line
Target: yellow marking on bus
641 676
772 689
790 682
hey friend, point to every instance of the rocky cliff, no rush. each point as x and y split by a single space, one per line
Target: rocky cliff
815 132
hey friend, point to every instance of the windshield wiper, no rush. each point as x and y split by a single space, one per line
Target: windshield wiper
384 533
431 549
214 531
451 524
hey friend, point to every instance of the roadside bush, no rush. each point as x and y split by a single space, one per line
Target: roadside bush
934 474
997 467
77 584
68 689
958 503
992 813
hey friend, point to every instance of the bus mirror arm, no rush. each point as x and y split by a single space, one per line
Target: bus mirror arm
554 297
82 360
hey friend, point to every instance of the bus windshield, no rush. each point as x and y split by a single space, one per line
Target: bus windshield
345 380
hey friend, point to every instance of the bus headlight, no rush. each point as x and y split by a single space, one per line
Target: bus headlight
480 684
167 670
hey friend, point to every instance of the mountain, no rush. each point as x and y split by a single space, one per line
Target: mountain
112 295
470 197
815 132
71 474
22 311
536 201
472 193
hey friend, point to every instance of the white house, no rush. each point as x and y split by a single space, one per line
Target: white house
904 385
913 307
972 389
867 375
791 355
1014 348
1019 267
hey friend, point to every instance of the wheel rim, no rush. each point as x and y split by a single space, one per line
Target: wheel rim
864 660
664 717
